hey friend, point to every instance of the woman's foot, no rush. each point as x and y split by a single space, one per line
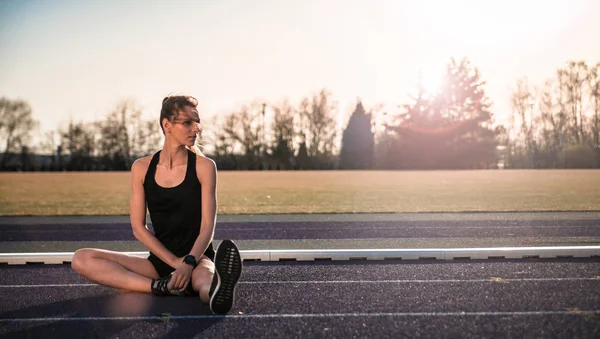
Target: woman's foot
160 287
228 269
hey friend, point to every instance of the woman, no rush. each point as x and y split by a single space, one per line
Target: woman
179 188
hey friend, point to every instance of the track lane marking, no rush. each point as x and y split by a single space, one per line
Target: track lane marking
282 282
309 315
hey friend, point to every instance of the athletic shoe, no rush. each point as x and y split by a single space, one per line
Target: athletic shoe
228 269
160 287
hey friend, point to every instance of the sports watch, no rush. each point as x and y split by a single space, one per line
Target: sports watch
190 260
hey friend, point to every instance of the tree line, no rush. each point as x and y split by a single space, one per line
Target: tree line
555 125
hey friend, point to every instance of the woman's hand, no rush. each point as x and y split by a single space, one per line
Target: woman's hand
181 277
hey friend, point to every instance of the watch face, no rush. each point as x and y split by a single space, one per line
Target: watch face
189 260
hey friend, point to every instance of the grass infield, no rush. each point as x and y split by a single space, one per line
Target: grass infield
107 193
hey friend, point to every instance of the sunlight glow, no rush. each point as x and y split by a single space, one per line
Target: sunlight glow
431 77
471 23
96 54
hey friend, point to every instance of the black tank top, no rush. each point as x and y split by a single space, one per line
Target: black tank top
176 212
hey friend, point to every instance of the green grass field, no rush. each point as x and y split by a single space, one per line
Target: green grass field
107 193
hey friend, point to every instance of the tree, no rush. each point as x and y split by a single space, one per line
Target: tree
594 85
245 129
451 128
149 138
123 136
522 102
49 143
223 144
48 146
564 124
16 125
79 140
282 126
357 141
552 121
318 114
302 159
572 80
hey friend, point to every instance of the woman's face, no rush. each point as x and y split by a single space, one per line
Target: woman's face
185 126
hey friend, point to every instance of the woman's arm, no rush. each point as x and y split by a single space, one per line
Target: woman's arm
137 213
206 170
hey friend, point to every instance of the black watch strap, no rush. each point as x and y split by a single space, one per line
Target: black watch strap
190 260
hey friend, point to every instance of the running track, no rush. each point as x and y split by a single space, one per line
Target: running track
387 299
469 299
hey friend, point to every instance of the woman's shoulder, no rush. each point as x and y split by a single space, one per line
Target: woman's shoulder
140 165
206 169
203 162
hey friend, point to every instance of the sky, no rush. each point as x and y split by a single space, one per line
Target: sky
77 59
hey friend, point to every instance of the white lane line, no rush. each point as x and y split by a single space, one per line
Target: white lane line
313 315
248 228
413 281
292 228
49 285
282 282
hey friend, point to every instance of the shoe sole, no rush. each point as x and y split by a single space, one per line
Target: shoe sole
228 268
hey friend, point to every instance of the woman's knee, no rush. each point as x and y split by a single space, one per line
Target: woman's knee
202 279
81 259
202 276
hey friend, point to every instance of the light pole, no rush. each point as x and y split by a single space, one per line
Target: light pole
264 140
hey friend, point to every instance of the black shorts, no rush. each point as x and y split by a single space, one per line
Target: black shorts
163 269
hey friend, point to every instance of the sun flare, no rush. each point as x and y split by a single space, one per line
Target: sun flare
430 78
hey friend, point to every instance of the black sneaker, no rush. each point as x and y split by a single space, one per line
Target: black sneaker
160 287
228 269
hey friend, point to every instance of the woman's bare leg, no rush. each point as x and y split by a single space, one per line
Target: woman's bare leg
114 269
202 277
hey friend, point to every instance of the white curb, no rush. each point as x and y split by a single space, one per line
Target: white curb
353 254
